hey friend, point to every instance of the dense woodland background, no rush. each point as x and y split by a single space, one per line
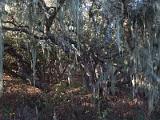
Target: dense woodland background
79 59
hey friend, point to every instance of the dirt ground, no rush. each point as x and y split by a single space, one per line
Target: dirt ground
62 102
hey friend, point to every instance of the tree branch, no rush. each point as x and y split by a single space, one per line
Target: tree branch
49 21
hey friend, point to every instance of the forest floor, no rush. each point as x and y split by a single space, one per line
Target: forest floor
62 102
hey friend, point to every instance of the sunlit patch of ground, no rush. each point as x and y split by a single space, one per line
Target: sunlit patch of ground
7 77
23 89
73 90
14 87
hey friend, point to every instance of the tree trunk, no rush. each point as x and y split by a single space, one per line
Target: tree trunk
1 54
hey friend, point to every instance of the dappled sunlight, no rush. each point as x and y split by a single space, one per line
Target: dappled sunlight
14 88
7 77
73 90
